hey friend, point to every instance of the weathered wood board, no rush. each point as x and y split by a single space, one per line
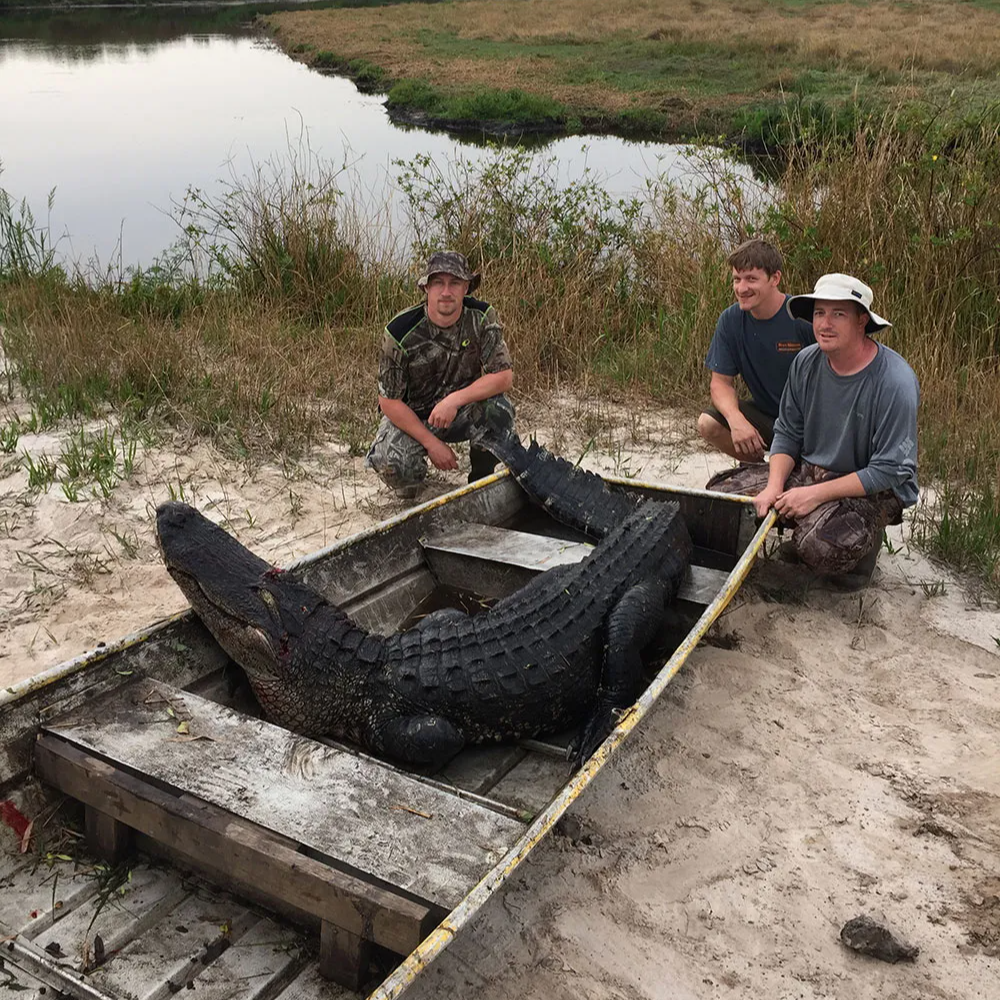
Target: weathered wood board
238 852
350 811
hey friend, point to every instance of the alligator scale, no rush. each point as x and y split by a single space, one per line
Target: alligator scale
563 651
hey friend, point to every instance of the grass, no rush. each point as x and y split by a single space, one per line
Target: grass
262 328
680 67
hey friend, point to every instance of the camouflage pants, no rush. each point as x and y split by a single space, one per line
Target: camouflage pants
401 461
835 536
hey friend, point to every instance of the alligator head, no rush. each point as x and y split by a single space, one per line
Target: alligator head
254 610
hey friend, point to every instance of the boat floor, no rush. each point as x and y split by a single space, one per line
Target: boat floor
145 931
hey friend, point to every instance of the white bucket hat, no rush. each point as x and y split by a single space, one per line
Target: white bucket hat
835 288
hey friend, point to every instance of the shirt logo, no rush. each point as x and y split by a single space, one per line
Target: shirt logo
788 347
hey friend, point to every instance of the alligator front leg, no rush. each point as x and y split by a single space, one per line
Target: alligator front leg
419 739
631 625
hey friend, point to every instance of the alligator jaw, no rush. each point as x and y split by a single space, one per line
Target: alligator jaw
227 585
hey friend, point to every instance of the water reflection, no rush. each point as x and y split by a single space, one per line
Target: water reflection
121 126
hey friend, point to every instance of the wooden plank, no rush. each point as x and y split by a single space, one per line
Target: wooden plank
176 652
228 844
364 817
478 769
477 556
116 917
343 956
106 837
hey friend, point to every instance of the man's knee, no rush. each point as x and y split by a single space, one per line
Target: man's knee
397 459
711 431
836 541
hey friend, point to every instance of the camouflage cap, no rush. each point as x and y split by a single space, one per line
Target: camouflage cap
449 262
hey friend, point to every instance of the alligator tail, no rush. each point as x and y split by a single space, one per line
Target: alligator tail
570 494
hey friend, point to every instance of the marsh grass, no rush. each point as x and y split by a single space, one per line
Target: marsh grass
270 336
681 67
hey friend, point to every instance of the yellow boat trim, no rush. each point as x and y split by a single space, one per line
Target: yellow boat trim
435 942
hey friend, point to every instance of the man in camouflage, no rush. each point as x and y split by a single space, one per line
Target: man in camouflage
440 360
843 462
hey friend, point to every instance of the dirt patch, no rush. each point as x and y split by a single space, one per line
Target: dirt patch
823 755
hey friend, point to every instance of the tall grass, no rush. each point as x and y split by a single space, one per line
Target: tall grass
269 335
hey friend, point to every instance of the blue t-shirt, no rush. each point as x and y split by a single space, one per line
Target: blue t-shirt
761 351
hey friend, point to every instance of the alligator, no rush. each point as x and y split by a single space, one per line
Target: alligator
561 652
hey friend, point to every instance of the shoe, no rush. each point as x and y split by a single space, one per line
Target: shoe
857 578
788 553
406 492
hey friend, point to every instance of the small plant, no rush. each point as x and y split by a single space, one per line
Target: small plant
128 540
41 471
9 434
71 489
934 588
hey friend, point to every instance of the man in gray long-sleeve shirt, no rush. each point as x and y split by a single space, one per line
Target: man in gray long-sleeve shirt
843 461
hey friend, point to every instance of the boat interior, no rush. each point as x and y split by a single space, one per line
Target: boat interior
271 865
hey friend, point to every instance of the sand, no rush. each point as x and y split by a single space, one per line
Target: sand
822 755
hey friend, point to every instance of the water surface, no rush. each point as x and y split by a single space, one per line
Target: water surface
120 115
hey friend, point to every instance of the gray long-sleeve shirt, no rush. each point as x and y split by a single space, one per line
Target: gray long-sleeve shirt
864 423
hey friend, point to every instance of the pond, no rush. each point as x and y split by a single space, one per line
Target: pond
119 112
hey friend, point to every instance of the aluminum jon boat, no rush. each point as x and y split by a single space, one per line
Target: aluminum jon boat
158 834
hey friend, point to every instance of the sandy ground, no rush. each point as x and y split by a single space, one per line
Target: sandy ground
824 754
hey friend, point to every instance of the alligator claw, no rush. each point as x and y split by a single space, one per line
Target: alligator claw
597 730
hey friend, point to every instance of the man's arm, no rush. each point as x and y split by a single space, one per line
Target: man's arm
491 384
747 441
779 469
804 499
441 456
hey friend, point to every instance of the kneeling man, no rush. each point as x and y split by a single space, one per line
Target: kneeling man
756 339
843 461
439 360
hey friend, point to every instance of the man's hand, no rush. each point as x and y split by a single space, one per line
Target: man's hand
765 500
443 415
747 442
441 456
798 502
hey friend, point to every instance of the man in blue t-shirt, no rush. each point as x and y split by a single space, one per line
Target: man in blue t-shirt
756 339
843 462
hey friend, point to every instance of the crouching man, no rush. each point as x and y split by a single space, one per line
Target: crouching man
843 461
440 359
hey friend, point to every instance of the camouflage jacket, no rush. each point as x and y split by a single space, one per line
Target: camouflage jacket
421 363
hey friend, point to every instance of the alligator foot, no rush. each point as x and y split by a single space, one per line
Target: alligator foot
421 740
597 730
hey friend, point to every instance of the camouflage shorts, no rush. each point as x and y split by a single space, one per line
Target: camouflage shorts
401 461
835 536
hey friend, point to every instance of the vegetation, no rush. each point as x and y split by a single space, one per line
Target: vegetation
671 67
261 327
